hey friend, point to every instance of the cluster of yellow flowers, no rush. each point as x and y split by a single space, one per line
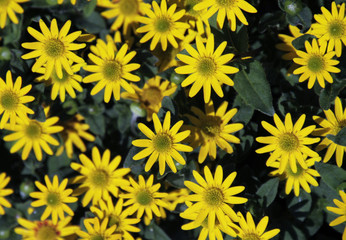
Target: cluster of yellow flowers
170 27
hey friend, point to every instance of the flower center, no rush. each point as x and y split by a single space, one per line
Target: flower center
46 233
206 67
99 178
205 222
112 70
299 172
162 142
151 96
54 48
64 79
250 236
162 24
316 63
211 127
97 237
144 197
213 196
4 3
9 100
53 199
114 220
336 29
128 7
226 3
288 142
33 130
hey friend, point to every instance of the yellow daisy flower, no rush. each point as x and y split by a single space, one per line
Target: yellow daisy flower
332 125
12 99
212 129
288 142
143 197
212 234
54 196
331 28
10 8
44 230
54 48
67 83
206 68
98 229
214 198
74 131
33 134
4 180
316 63
99 176
111 70
117 217
163 145
162 25
300 178
151 95
125 12
230 8
248 229
340 209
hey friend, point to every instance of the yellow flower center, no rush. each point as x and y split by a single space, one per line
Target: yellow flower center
288 142
54 48
64 79
99 178
336 29
97 237
33 130
290 173
316 63
213 197
112 70
226 3
211 126
205 222
151 96
144 197
9 100
163 24
53 199
162 142
114 220
46 232
250 236
206 67
128 7
4 3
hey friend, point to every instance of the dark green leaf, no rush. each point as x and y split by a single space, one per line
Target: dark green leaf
332 175
89 8
154 232
299 42
267 192
330 92
137 167
300 206
240 39
168 105
304 18
339 138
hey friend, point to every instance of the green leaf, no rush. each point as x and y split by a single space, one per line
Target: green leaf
252 86
89 8
97 124
339 138
315 219
267 192
332 175
300 206
240 39
245 112
304 18
299 42
167 104
154 232
330 92
57 162
137 167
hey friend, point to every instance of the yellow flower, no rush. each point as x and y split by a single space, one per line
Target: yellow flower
162 25
45 230
73 2
212 129
74 131
340 209
98 229
12 99
4 180
10 7
300 178
248 229
126 12
151 95
33 134
316 63
214 198
67 83
332 125
230 8
111 70
288 142
206 68
99 176
54 196
163 145
54 48
143 197
331 28
117 217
